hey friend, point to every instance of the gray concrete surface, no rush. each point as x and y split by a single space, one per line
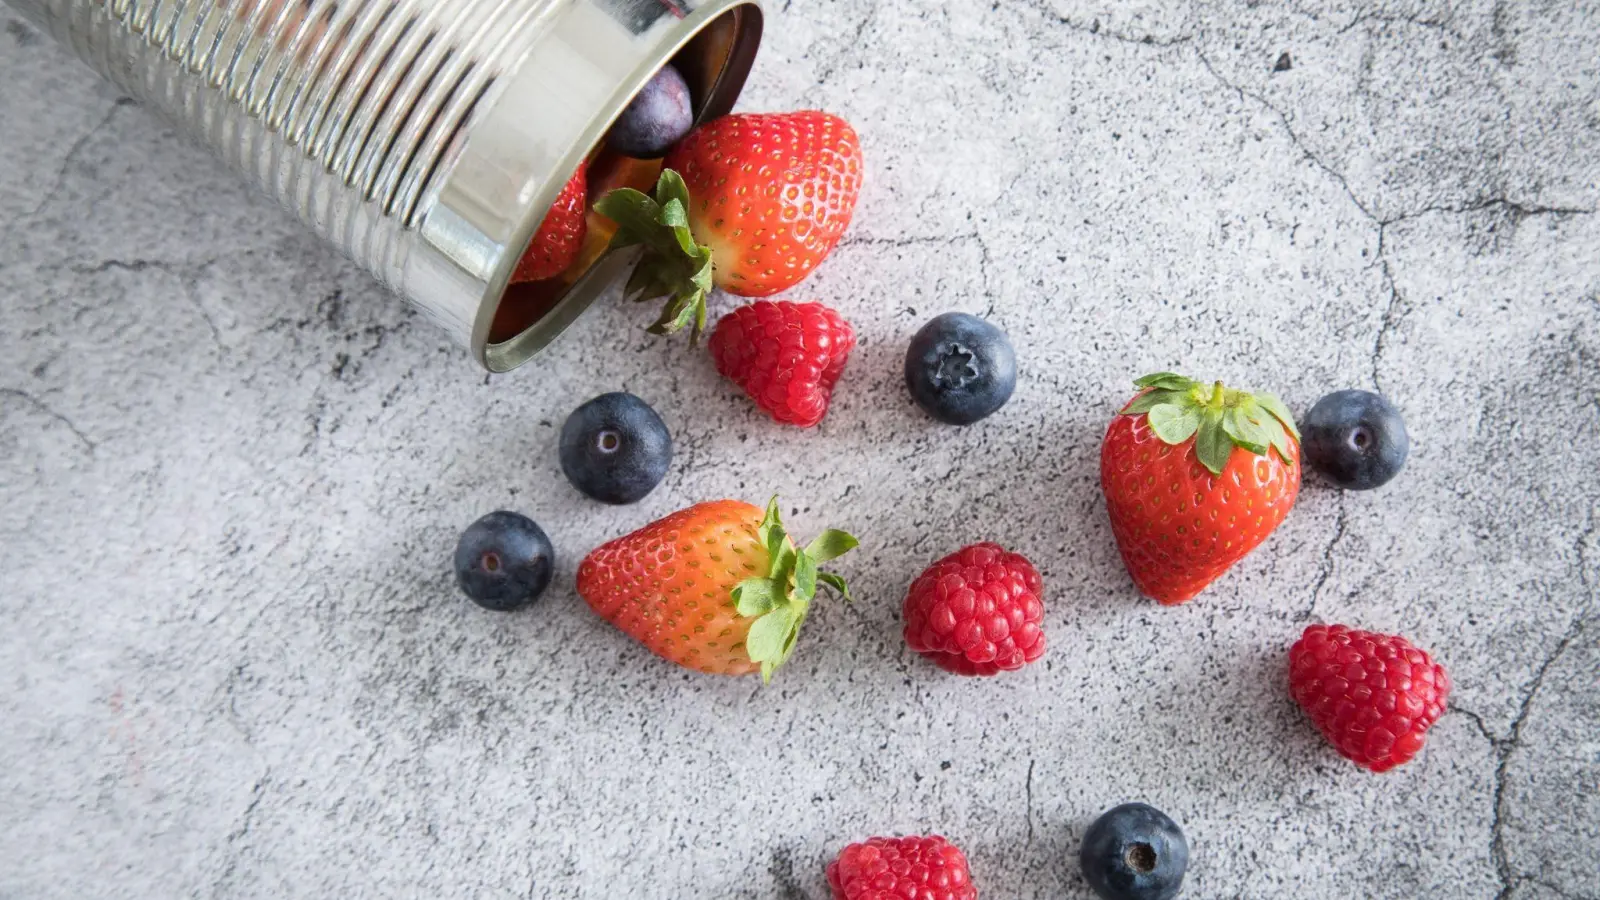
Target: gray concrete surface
234 664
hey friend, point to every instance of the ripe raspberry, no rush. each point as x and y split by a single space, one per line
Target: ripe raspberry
918 868
1373 696
556 245
787 356
978 611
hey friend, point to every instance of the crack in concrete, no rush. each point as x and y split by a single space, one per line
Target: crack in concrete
988 260
941 241
1516 209
59 180
126 265
1288 129
246 822
1325 570
1147 40
1504 747
247 819
89 445
1391 318
1475 719
1027 853
1095 29
1438 24
1396 309
1558 891
229 703
188 273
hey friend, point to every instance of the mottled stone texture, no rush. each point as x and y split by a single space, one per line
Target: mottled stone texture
234 663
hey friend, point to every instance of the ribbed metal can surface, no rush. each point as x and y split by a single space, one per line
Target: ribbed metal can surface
423 138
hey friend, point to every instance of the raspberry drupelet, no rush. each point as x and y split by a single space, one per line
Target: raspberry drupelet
923 868
1373 696
978 611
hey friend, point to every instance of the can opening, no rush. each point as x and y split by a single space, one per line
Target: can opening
715 61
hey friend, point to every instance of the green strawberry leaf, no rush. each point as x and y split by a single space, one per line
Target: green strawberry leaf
678 314
805 576
771 533
635 213
793 638
780 600
1174 424
837 583
783 569
1167 381
1150 400
1279 438
755 596
1218 418
768 637
1212 445
1272 404
643 281
675 263
670 187
831 544
702 275
676 218
1245 433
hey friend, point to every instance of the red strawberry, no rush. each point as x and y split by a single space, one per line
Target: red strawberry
787 356
560 236
978 611
717 587
919 868
1373 696
748 203
1195 477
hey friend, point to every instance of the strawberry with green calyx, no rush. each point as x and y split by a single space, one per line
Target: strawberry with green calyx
1195 477
673 263
753 203
719 587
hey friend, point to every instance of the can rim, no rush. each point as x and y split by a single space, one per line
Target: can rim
729 82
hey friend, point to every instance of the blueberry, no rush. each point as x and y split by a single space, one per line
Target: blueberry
1356 439
657 117
503 561
960 368
615 448
1134 852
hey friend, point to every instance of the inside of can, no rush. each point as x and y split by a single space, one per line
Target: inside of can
715 62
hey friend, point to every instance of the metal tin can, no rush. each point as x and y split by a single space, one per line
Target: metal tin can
425 139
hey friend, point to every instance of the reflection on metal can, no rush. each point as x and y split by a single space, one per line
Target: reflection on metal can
423 138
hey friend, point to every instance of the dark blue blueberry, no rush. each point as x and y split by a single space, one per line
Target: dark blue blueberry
657 117
1356 439
615 448
503 561
960 368
1134 852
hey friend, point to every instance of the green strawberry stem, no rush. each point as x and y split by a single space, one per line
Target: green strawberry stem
780 599
675 265
1218 418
